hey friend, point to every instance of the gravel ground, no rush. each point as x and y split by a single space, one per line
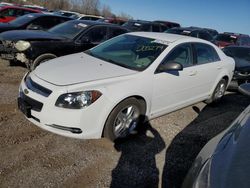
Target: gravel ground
159 156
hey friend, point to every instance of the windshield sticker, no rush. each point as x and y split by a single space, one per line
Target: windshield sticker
160 41
137 24
234 37
186 31
144 48
81 25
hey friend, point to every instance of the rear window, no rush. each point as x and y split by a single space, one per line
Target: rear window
226 38
238 52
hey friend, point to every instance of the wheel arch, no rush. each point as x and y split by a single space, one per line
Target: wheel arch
141 99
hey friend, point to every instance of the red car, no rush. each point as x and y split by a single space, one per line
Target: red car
8 13
226 39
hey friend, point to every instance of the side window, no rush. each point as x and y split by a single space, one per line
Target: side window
113 32
8 12
42 23
205 53
182 54
145 27
155 28
205 36
97 34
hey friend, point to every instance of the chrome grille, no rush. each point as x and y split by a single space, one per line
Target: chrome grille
33 86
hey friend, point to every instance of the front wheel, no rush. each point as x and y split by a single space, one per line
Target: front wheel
219 92
124 119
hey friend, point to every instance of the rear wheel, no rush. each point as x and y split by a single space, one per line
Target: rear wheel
219 91
40 59
124 119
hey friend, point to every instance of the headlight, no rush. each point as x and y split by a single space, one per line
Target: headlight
77 100
203 178
22 45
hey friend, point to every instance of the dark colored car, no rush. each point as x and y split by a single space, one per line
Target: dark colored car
224 161
193 32
212 32
226 39
118 21
35 47
9 13
141 25
168 24
241 55
35 21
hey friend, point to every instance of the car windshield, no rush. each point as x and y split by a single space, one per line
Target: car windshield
226 38
22 20
238 52
129 51
68 29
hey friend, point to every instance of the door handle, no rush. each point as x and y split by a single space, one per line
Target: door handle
192 73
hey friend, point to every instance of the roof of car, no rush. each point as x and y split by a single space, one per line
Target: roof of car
36 15
22 8
168 37
188 28
91 22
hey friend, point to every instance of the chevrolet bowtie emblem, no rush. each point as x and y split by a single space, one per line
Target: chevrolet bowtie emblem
26 91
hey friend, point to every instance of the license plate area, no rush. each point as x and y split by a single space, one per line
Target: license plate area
24 107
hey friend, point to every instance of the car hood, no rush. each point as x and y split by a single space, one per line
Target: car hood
242 64
30 35
78 68
230 165
6 27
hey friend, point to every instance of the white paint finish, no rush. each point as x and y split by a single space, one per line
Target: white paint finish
162 92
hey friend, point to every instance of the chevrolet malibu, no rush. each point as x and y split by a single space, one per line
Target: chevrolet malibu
109 89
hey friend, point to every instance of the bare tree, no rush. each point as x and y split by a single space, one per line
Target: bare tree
106 11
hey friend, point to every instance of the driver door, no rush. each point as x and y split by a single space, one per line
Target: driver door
175 89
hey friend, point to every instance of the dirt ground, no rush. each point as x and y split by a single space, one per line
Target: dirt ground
159 156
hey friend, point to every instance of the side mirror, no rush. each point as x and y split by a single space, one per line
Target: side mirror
245 89
170 66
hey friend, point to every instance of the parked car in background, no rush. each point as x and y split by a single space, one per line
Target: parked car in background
141 25
35 47
193 32
118 21
168 24
224 160
74 15
9 13
226 39
90 17
35 21
36 7
241 55
212 32
124 80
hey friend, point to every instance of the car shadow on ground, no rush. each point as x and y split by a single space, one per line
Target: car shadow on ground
17 64
186 145
137 164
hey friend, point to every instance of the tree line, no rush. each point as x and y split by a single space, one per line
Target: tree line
82 6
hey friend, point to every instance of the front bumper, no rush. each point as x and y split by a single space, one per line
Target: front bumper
83 123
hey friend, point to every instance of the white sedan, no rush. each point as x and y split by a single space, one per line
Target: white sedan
107 90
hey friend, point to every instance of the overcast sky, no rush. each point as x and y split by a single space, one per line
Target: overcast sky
223 15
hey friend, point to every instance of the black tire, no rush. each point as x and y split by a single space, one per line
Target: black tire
40 59
221 88
109 128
